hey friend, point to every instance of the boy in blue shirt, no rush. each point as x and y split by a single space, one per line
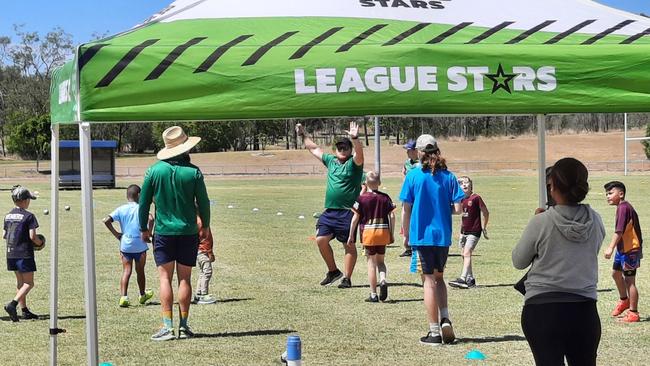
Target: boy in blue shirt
20 232
431 194
132 248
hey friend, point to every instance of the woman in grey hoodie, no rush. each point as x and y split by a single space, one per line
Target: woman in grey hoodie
561 247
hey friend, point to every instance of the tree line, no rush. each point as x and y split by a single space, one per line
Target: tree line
27 60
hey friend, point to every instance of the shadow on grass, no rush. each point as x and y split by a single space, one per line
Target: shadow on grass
234 300
46 317
505 338
605 290
252 333
402 300
393 285
496 285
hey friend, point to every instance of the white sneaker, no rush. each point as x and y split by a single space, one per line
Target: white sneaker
206 299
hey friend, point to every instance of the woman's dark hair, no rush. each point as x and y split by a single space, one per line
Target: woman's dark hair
569 176
433 161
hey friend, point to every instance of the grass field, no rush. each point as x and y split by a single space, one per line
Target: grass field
266 278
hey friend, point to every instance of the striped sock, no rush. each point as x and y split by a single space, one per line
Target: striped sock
167 319
184 315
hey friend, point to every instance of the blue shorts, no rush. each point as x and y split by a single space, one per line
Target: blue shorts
179 248
132 256
426 259
21 264
335 222
628 261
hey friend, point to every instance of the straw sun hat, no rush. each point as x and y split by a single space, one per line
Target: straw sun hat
176 143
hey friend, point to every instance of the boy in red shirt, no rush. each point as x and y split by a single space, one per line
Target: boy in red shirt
628 242
374 214
470 231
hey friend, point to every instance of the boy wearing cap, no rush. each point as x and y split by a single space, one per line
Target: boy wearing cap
177 187
20 232
344 176
431 194
410 163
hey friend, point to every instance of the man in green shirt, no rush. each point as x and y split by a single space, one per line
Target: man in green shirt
344 175
177 188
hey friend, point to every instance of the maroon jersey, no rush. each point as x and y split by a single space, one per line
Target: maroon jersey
471 222
374 208
627 224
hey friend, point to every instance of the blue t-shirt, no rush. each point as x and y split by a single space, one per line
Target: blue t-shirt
432 197
127 216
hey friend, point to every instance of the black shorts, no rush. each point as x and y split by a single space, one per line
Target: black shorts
375 249
21 264
179 248
426 259
335 222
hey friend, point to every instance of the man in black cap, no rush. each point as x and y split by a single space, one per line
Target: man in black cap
344 175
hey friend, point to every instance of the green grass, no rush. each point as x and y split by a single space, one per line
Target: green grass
266 278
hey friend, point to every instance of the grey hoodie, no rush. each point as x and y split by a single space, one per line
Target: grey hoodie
562 244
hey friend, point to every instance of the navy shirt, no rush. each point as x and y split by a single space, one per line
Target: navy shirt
17 224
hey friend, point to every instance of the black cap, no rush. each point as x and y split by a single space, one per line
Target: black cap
20 193
343 143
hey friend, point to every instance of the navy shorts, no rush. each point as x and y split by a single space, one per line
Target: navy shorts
426 259
21 264
180 248
132 256
335 222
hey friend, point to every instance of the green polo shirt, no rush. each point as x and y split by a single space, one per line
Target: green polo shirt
176 187
343 182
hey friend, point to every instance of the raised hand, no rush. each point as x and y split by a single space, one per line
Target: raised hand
353 132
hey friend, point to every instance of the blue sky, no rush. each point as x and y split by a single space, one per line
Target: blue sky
83 18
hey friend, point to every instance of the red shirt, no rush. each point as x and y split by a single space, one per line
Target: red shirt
471 222
205 242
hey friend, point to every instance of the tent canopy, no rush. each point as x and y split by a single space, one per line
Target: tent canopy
254 59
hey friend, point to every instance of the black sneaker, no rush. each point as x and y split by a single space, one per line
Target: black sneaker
447 331
27 315
407 253
11 310
383 291
471 282
431 340
331 277
372 299
458 283
345 283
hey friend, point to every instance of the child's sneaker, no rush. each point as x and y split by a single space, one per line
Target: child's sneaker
431 340
471 282
630 317
28 315
621 306
345 283
148 294
447 331
11 310
124 302
206 299
185 332
458 283
372 299
331 277
406 253
383 290
164 334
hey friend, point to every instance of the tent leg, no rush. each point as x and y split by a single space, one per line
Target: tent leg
88 240
54 243
625 145
541 158
377 147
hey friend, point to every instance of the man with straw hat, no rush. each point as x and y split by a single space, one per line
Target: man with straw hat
177 188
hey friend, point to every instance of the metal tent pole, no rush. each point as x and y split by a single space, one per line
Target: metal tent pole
89 242
541 158
54 243
377 147
625 144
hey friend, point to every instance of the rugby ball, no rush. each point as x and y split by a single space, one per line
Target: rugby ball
39 247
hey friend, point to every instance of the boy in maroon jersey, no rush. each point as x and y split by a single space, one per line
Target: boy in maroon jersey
470 231
374 214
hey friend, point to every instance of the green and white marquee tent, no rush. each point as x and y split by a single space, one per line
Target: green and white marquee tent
259 59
